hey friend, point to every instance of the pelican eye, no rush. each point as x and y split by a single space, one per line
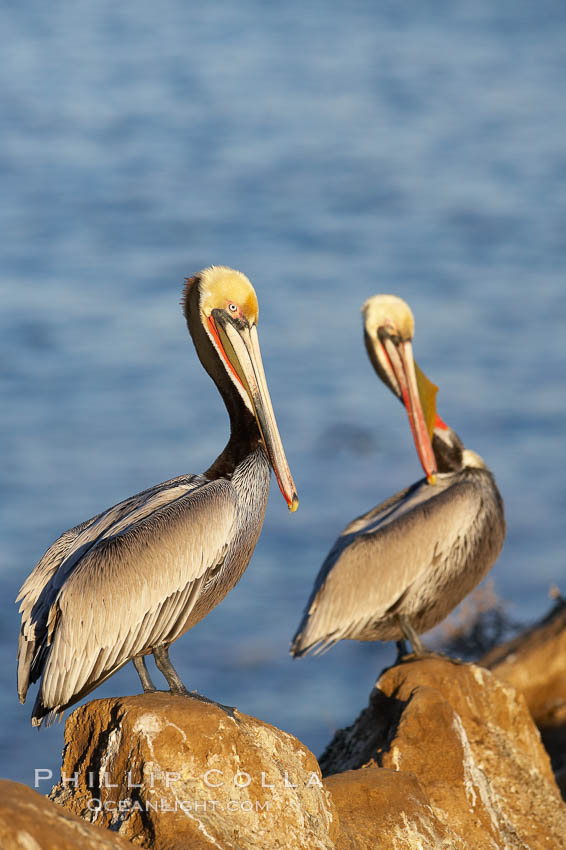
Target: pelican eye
388 331
233 308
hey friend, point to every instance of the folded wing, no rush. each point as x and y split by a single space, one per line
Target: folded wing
121 583
378 557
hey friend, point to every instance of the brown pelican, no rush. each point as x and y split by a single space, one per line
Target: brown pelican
399 569
133 579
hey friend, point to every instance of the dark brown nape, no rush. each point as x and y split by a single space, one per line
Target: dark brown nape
447 447
189 284
244 432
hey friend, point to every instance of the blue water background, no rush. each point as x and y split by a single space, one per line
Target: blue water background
331 151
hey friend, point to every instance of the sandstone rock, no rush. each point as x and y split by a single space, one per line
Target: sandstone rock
179 772
30 822
535 664
473 747
386 809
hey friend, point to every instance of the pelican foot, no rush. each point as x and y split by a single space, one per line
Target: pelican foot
229 709
445 657
433 653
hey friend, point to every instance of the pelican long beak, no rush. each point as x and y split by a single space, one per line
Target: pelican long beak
400 356
241 350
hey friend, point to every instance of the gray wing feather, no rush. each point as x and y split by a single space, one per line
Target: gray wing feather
40 589
378 557
52 569
150 549
158 564
30 594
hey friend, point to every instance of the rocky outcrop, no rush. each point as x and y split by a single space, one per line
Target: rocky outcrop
386 810
535 664
180 772
471 743
445 757
30 822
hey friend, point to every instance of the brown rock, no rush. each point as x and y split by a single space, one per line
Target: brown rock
535 664
180 772
473 747
386 809
30 822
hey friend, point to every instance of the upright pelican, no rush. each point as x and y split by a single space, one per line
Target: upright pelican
134 578
399 569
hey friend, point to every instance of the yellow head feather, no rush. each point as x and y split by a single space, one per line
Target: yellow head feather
383 310
221 286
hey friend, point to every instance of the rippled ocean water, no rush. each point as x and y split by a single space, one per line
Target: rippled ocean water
329 151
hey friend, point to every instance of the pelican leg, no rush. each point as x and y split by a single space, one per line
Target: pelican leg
143 673
401 649
410 634
163 663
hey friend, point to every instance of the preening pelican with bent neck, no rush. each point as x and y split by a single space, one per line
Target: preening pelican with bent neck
134 578
399 569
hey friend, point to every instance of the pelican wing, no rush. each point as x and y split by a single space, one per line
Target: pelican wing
40 589
126 580
36 596
379 556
